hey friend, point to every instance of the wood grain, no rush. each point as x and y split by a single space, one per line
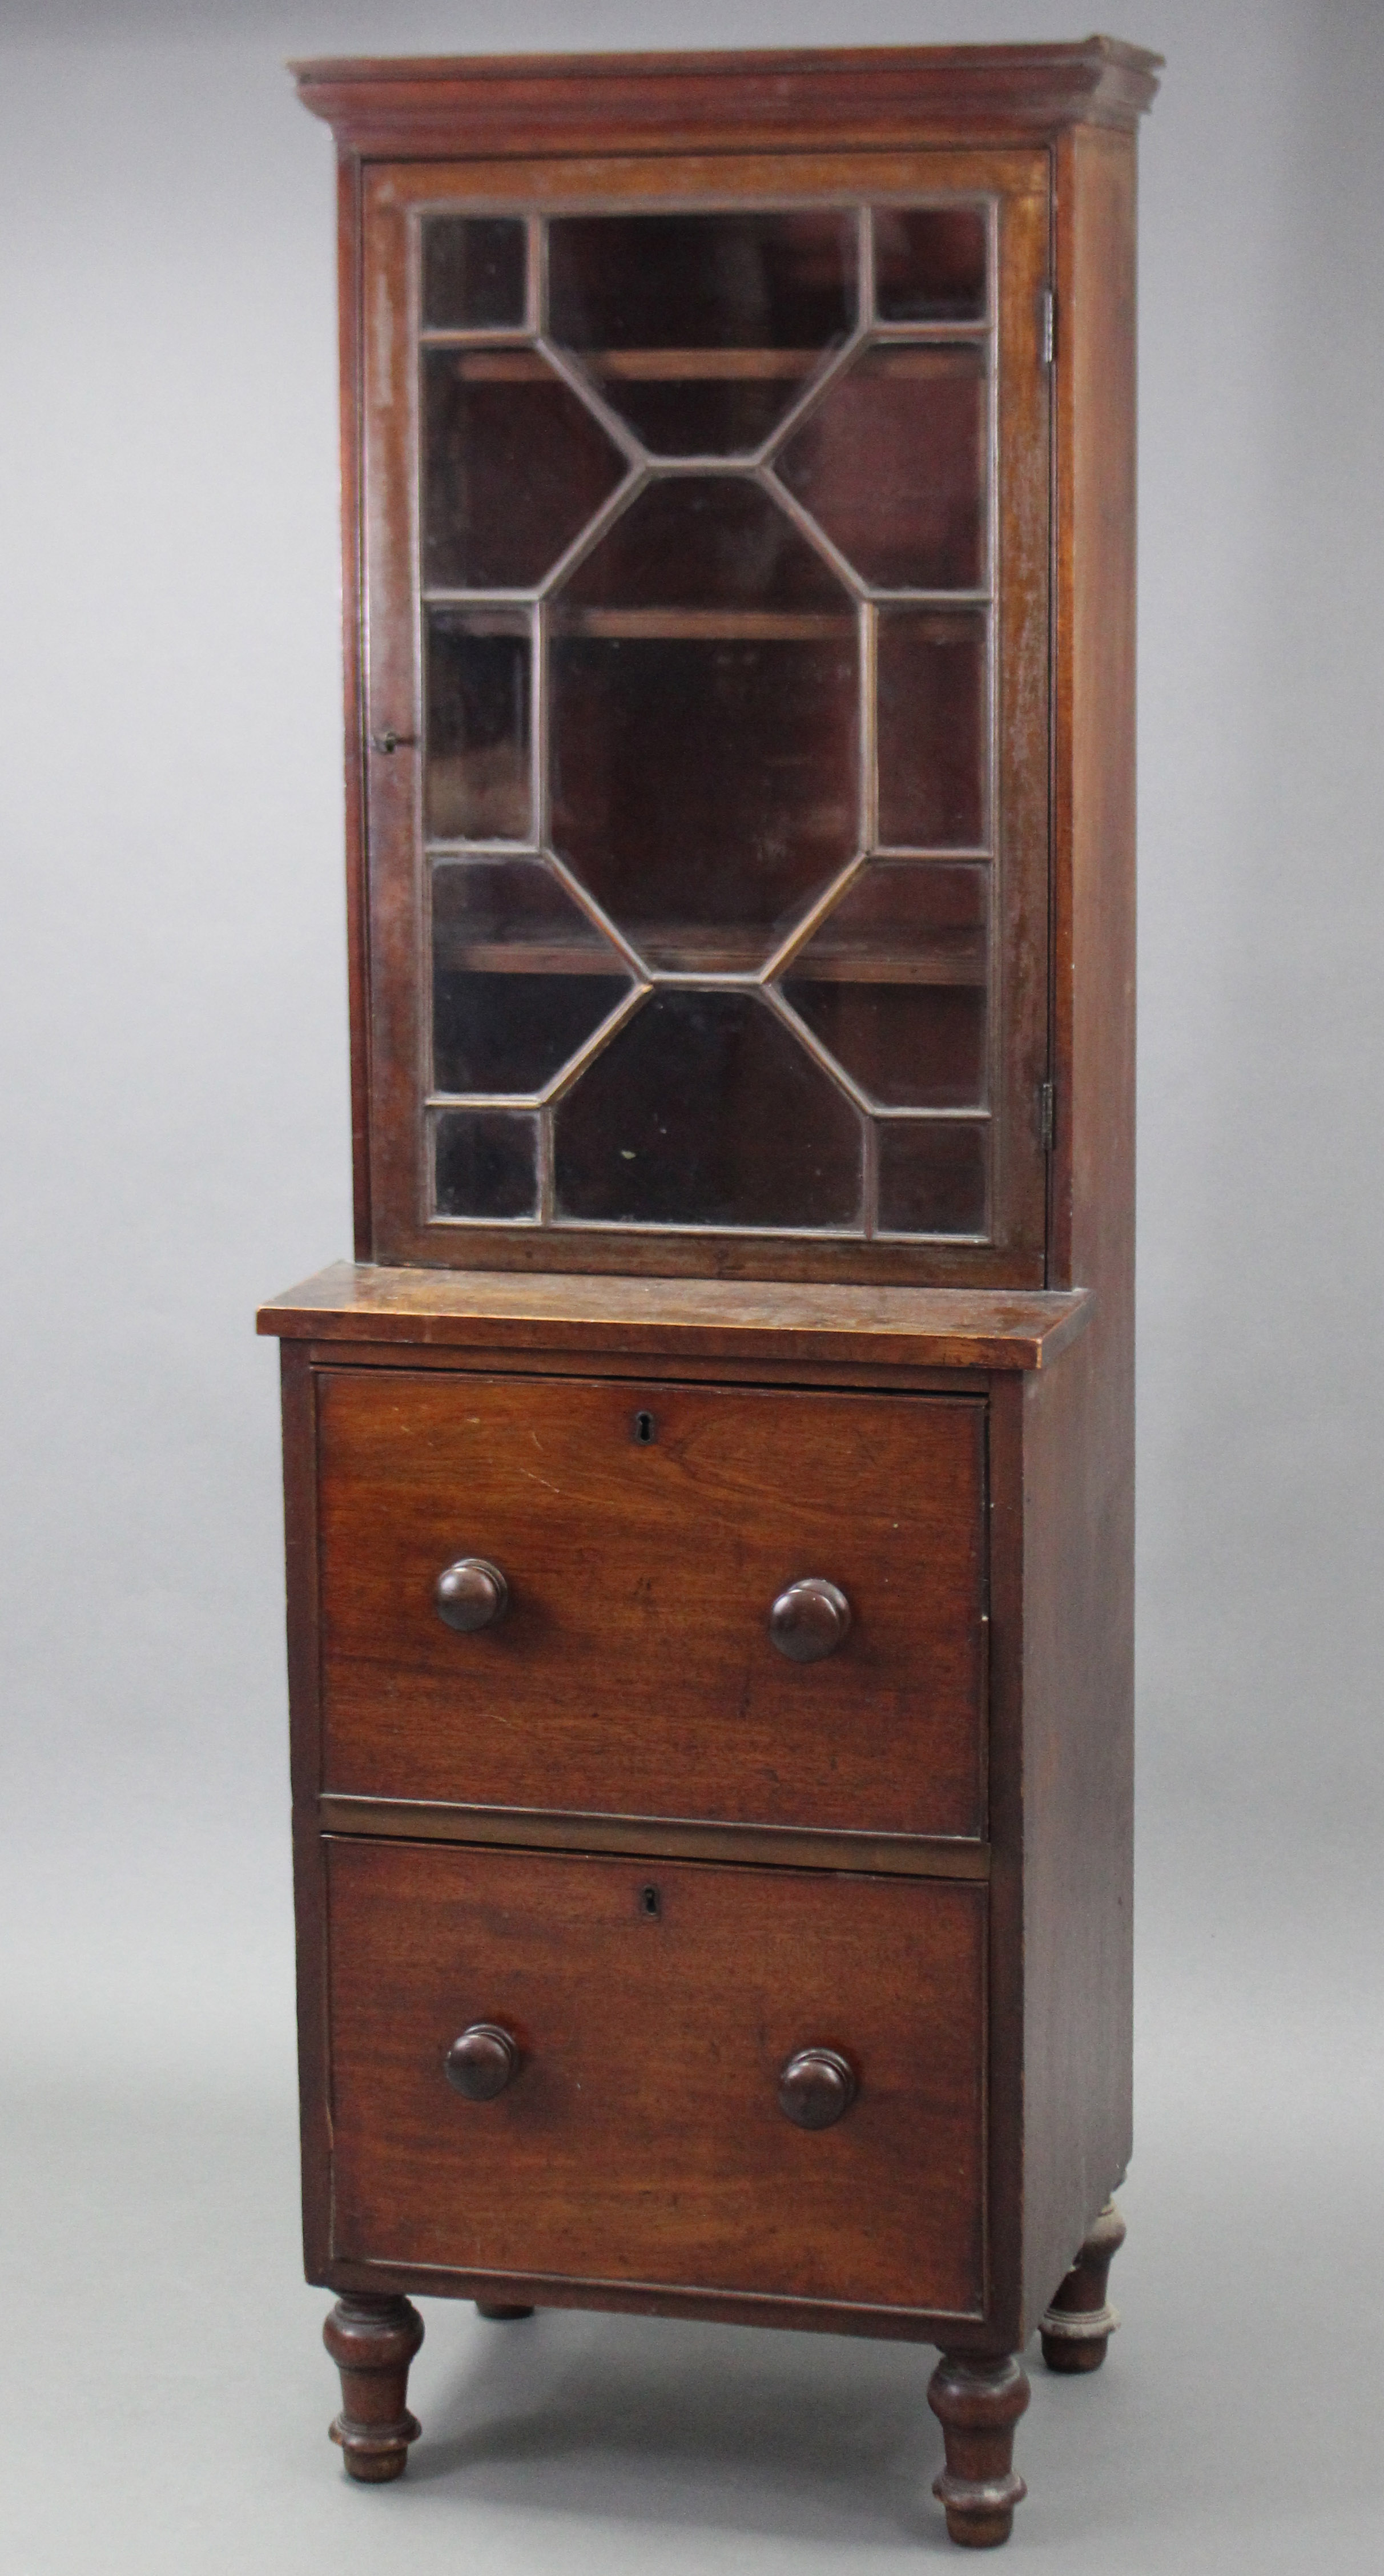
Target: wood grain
565 1829
372 2341
309 1891
898 1854
799 95
978 2403
673 1319
874 2319
386 430
634 1672
642 2142
1078 1577
1078 2325
348 220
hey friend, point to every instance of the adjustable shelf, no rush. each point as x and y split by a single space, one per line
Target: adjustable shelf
687 951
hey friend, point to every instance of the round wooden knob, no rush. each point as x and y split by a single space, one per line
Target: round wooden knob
810 1620
471 1594
815 2088
482 2062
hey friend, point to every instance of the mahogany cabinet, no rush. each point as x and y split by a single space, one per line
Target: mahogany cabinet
709 1491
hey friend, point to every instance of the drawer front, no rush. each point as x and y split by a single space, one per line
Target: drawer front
633 1672
641 2139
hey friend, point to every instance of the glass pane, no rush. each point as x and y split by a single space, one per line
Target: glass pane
930 263
892 464
515 465
894 984
724 403
931 1177
473 272
487 1163
704 1110
644 298
932 730
520 976
705 541
704 790
477 759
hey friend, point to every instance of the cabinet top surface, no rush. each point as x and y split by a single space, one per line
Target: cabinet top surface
909 1327
404 102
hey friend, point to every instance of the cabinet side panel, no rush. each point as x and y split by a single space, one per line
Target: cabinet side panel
309 1887
1079 1423
1005 2132
1092 1227
357 910
1078 1824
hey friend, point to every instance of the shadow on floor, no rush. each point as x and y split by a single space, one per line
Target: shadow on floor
790 2436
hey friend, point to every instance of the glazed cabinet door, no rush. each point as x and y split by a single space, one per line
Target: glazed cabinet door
705 714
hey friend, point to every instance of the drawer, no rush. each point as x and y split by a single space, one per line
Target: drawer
641 2139
633 1672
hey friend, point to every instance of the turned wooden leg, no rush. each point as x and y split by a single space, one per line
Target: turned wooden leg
500 2311
372 2340
978 2403
1080 2322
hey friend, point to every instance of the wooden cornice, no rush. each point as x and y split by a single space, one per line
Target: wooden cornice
427 106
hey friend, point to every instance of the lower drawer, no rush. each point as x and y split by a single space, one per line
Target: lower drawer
653 2008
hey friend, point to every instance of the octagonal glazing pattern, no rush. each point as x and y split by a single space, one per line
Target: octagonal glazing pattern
705 1111
894 984
891 463
521 976
701 330
514 466
704 723
705 541
705 538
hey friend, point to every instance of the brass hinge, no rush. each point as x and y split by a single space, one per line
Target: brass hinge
1049 322
1047 1115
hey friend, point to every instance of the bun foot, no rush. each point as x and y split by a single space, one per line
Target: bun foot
978 2403
1080 2322
372 2341
500 2311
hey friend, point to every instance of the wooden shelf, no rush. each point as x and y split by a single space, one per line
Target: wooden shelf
705 625
675 951
518 362
940 961
525 957
504 366
700 366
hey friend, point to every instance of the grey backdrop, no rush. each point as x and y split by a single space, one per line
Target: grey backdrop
175 1133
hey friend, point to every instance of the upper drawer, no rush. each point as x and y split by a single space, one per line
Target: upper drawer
634 1672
